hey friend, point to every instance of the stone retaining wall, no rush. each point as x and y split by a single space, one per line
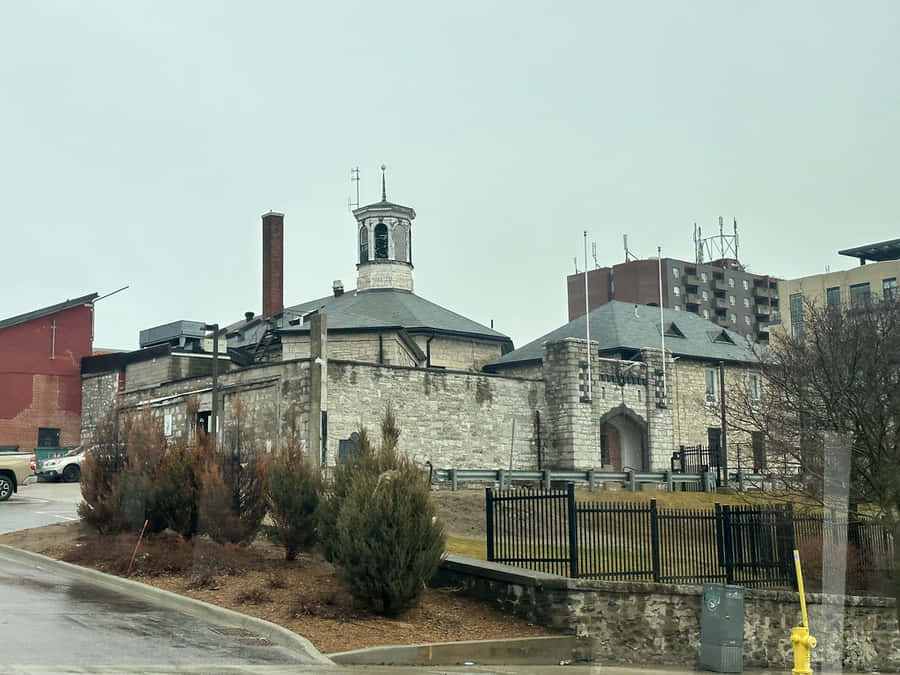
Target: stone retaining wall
638 623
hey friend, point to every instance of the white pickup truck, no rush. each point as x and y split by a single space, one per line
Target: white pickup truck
15 467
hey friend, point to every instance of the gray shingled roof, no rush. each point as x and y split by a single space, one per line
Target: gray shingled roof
617 326
382 308
47 311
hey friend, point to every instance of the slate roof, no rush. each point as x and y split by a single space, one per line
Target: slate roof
378 308
47 311
616 326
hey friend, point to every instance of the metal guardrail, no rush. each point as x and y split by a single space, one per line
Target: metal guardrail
631 479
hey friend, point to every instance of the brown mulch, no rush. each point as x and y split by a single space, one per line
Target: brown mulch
304 596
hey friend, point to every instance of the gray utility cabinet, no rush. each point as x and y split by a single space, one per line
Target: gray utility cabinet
722 628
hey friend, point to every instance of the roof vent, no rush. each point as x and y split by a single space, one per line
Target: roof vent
248 316
338 287
722 337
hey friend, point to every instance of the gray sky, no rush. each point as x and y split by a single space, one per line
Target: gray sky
142 141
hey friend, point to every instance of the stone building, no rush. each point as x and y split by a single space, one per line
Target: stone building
314 372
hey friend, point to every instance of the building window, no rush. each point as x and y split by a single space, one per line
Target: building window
48 438
363 244
677 308
676 291
747 319
381 241
796 301
859 294
833 297
705 313
889 288
704 295
746 302
712 385
703 276
730 282
733 317
731 300
745 284
676 272
753 386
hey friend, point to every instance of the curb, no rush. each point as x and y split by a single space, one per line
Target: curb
196 608
537 651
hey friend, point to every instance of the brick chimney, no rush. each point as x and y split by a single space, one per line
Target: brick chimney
273 264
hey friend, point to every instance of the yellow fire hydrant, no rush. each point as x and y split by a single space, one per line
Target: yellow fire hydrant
801 640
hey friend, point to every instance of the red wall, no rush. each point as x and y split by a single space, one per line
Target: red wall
37 391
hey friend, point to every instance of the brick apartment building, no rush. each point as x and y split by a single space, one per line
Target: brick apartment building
721 291
40 374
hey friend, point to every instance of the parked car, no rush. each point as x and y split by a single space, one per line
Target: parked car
67 467
14 468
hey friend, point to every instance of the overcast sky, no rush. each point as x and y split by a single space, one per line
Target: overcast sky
141 142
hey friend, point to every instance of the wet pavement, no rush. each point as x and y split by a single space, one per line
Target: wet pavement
48 619
40 504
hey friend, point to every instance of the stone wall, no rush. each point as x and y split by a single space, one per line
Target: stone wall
98 396
385 274
453 419
459 353
354 347
659 624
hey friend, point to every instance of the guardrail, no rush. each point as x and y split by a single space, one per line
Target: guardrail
704 482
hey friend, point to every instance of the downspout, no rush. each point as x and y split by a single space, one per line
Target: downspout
537 425
380 350
428 351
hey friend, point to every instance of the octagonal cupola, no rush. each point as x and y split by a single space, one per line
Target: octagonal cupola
384 244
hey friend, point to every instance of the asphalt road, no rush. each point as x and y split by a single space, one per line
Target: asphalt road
49 619
40 504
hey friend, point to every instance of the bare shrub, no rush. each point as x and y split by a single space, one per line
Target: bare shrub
253 596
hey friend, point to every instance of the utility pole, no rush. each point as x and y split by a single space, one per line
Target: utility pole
214 414
723 442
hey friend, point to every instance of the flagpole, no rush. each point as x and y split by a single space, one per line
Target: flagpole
587 321
662 327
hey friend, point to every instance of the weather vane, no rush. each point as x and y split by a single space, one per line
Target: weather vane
383 187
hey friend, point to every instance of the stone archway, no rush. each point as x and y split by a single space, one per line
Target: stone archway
625 434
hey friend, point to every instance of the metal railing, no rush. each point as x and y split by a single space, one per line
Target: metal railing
632 480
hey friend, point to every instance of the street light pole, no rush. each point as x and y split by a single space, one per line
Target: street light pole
214 414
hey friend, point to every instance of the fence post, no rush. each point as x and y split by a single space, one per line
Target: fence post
740 478
546 478
590 480
454 484
501 479
670 482
573 532
654 540
489 514
632 483
726 536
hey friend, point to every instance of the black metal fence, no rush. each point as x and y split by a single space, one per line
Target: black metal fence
551 531
697 459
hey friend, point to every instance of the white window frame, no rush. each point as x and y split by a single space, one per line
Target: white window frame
712 394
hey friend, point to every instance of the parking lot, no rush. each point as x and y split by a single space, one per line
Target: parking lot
39 504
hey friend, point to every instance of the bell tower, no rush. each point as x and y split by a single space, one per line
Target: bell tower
384 244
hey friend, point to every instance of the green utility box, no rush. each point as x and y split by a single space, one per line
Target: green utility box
722 629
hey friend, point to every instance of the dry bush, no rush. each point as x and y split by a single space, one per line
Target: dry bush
99 473
324 605
277 581
253 596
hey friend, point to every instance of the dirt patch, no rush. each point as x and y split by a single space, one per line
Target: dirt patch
304 596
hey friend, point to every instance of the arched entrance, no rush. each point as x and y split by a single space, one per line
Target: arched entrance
623 440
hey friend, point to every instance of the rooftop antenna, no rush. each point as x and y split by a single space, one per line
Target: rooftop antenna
354 178
736 257
629 256
594 253
575 260
718 246
698 246
383 185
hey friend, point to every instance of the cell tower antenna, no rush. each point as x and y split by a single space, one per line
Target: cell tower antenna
594 254
575 261
718 247
354 178
736 256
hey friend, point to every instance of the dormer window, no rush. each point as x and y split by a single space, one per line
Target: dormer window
381 241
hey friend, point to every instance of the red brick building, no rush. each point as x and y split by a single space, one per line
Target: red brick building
40 374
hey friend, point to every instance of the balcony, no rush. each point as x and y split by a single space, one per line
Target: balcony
720 284
763 311
765 292
691 279
720 303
